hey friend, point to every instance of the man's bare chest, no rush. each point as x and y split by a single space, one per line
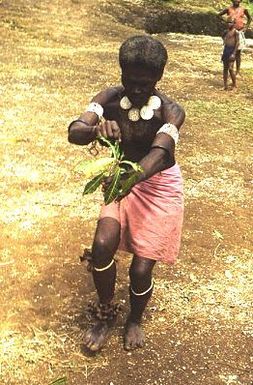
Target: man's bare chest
141 132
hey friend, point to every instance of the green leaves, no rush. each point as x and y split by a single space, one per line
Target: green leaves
112 191
93 167
93 184
123 174
128 183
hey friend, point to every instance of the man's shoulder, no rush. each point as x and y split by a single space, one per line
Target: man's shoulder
108 95
173 108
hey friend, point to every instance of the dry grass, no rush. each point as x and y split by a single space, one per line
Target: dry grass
54 59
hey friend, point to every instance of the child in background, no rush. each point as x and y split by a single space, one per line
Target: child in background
231 42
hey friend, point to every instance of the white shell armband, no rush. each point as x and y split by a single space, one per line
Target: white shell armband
96 108
171 130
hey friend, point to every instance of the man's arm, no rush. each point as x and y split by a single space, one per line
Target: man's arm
162 151
222 13
249 18
87 127
236 42
232 56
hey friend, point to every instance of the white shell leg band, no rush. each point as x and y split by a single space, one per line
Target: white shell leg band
106 267
144 292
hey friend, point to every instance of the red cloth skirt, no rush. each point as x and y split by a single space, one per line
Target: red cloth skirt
151 216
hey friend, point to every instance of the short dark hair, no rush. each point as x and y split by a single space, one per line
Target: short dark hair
143 50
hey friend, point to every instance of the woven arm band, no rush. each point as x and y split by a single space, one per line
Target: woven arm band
171 130
96 108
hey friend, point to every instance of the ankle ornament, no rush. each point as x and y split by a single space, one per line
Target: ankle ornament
103 312
87 256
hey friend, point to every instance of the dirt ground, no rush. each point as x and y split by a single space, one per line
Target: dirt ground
55 56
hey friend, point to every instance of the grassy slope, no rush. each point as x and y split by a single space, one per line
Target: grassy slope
204 6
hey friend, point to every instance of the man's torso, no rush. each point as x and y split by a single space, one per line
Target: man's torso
238 15
136 137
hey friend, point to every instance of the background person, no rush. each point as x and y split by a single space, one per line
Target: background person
231 42
242 20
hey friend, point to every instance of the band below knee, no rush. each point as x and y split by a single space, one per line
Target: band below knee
100 269
144 292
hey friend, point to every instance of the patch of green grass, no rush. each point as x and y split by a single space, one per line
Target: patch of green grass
249 5
203 6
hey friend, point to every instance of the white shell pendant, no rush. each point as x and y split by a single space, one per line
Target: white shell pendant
146 112
125 103
154 102
134 114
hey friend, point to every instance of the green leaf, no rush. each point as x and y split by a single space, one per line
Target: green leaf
60 381
118 151
113 189
91 168
108 144
114 146
128 183
93 184
134 165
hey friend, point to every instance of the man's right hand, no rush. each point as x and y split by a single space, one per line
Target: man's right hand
109 129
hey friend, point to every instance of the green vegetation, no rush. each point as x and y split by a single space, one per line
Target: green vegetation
117 174
203 6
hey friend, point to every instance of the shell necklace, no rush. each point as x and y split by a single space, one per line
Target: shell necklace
146 112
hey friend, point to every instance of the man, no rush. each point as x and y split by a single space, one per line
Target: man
147 221
242 20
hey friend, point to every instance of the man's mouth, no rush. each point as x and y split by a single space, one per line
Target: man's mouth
138 101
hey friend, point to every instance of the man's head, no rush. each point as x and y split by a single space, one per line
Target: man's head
143 51
236 3
142 60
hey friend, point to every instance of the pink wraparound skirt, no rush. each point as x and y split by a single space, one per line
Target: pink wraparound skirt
151 216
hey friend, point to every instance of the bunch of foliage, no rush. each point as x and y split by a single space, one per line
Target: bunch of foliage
117 173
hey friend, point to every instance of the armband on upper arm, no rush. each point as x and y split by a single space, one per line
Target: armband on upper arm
96 108
171 130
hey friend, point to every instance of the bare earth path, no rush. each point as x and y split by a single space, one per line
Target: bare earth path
55 55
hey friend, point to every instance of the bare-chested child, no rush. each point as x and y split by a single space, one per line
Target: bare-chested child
231 41
147 221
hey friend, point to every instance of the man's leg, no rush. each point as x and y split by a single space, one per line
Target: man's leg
238 61
232 74
141 287
105 244
225 74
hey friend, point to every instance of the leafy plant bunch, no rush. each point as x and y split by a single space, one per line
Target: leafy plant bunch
117 173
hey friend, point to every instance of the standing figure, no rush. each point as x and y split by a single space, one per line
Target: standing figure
231 42
147 220
242 20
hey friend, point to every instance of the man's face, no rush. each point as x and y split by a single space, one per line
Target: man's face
236 3
139 84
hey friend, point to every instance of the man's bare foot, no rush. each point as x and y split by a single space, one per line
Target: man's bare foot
96 336
225 88
134 336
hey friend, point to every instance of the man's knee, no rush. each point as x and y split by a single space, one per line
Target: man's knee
140 275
